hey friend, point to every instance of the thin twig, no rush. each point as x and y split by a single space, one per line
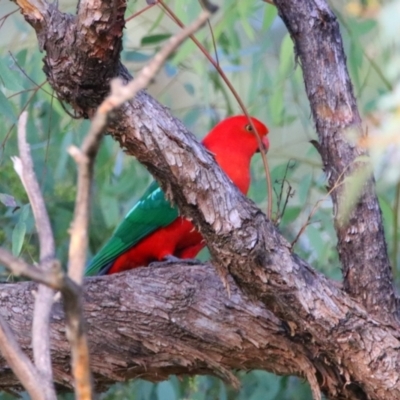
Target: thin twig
289 194
20 363
44 298
136 14
279 195
18 267
35 90
213 42
3 19
28 77
338 183
20 92
238 99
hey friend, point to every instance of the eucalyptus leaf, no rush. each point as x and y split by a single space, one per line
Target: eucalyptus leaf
154 39
6 108
18 237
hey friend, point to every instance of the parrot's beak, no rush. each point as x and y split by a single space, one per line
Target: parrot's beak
265 144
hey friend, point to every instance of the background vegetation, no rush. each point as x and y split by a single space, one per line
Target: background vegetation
253 48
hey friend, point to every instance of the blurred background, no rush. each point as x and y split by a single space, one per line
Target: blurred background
251 44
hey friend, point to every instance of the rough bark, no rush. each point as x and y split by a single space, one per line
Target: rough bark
179 319
188 325
361 242
333 341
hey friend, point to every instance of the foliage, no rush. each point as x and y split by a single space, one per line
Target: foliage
257 54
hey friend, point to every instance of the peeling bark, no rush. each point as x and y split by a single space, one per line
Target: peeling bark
318 331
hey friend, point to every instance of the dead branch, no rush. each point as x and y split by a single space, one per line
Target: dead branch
44 298
19 362
18 267
54 277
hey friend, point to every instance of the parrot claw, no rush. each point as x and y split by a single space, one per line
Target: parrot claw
188 261
170 259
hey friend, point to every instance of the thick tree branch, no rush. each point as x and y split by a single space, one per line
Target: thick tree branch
185 323
180 311
361 242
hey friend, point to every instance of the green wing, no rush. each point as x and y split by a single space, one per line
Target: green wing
151 212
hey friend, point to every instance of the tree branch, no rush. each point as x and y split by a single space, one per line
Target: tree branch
185 323
19 267
53 276
20 363
44 298
361 242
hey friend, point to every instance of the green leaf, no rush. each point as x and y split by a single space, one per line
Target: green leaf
136 56
247 27
286 57
363 27
183 53
18 236
276 106
269 16
303 188
26 209
6 108
291 215
316 241
245 10
154 39
60 171
387 214
11 80
109 206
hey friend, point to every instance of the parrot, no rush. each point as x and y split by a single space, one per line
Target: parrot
153 230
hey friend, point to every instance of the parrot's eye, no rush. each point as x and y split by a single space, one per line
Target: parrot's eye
248 128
